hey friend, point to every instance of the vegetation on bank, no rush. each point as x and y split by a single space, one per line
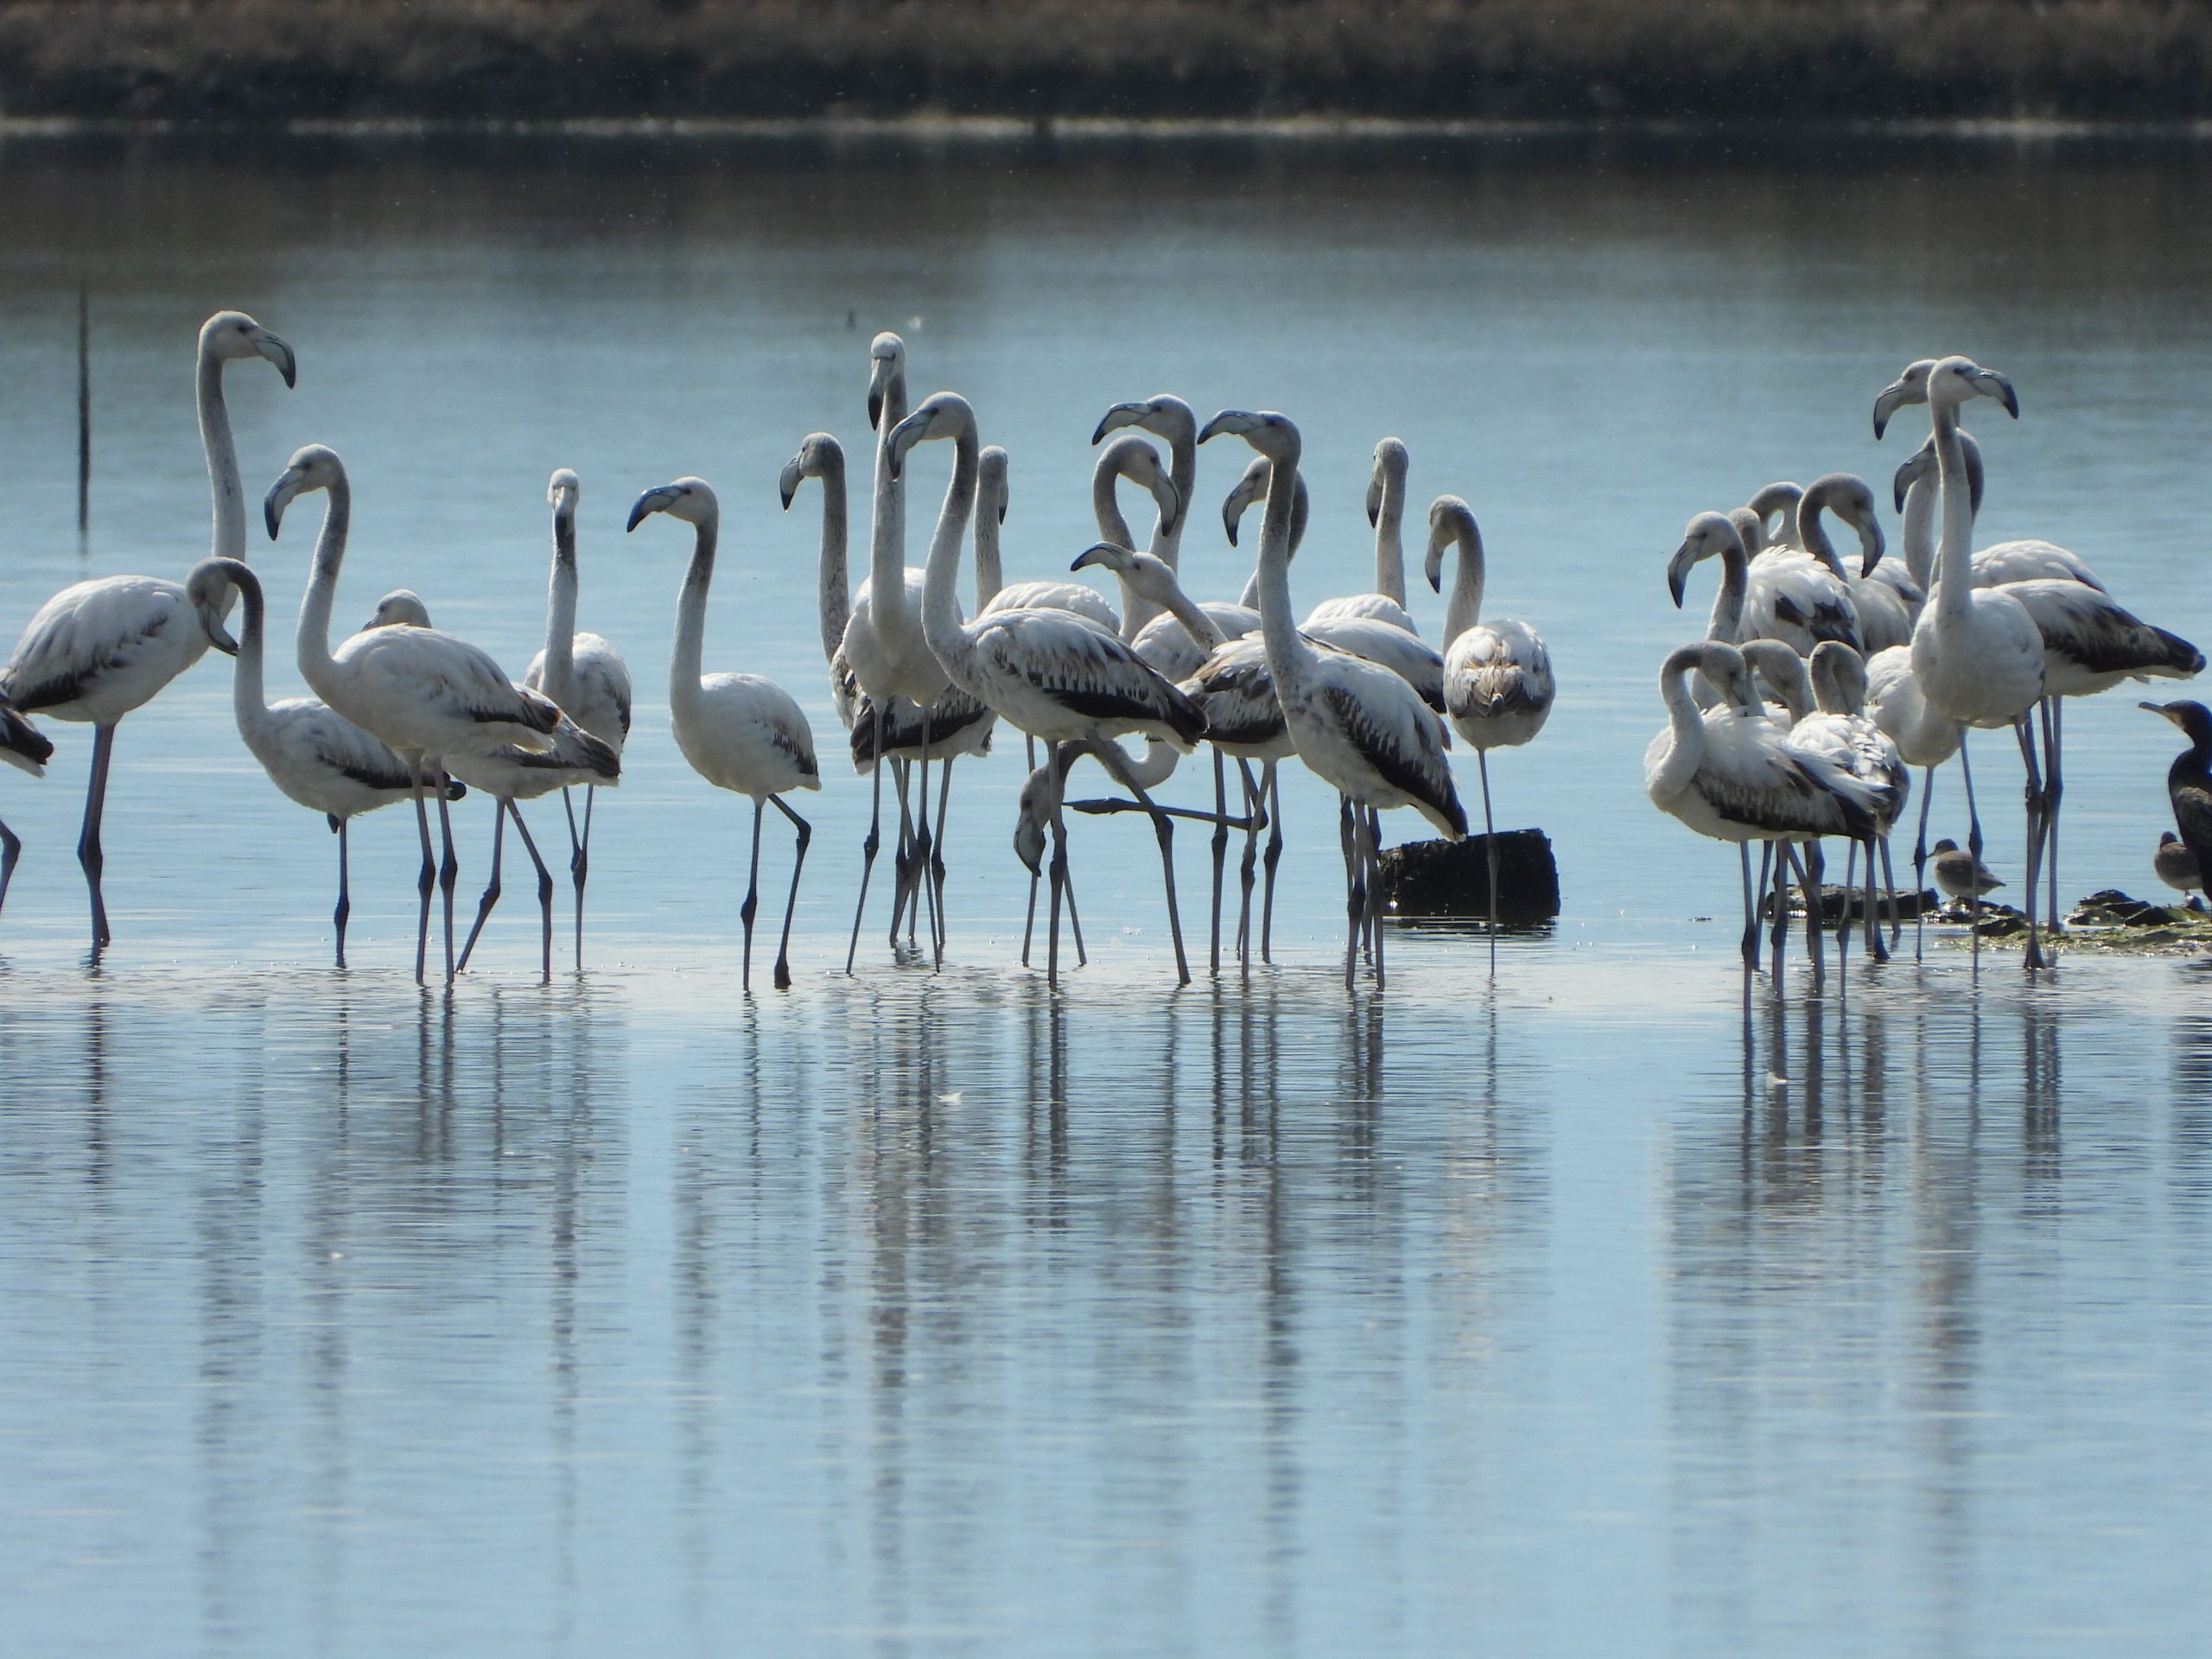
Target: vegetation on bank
1457 60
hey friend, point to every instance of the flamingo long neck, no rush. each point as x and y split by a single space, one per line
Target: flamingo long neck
248 698
1290 658
990 574
1249 599
1106 508
1203 629
314 639
560 671
1954 573
1390 546
1813 534
886 562
1465 608
947 640
1183 474
836 598
1918 531
1726 623
222 453
1685 731
691 613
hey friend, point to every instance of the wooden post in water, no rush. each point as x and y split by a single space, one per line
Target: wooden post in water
84 417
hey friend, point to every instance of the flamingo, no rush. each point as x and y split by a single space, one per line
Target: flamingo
1045 673
313 753
739 731
959 726
1498 685
1731 773
22 745
1842 725
590 681
1232 688
1386 506
427 694
1976 652
100 649
1804 596
1358 726
1170 419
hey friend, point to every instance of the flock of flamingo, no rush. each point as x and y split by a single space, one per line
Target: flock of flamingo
1870 673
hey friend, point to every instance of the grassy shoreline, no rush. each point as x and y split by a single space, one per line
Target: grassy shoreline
1416 61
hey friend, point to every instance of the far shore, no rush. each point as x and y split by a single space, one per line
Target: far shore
1081 66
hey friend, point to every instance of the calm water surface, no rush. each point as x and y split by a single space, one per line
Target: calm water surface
1605 1308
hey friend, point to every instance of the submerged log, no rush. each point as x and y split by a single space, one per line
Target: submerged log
1451 878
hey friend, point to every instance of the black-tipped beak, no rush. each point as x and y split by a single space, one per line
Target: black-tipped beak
287 361
1436 579
1871 555
787 493
1214 428
874 409
272 508
1001 511
648 504
1890 399
218 636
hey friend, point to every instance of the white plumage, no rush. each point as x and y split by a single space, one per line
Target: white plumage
100 649
739 732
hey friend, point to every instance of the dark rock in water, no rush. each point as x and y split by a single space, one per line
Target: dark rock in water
1838 905
2113 908
1451 878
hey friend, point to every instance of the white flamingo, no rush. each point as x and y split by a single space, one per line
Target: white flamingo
993 593
427 694
1348 625
1045 673
1498 684
1976 652
1233 688
1360 728
585 675
511 775
23 746
739 732
1731 773
1172 421
100 649
313 753
1386 507
1794 594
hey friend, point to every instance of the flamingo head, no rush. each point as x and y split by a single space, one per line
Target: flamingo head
1707 534
317 467
1391 462
403 607
1132 458
691 499
1164 416
1273 435
1847 495
233 336
208 590
1957 380
990 480
1450 521
886 364
820 456
1910 387
941 414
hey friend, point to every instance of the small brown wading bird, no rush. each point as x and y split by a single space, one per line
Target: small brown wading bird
1959 873
2177 867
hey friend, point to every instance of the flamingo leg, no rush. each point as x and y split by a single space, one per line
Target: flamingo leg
1811 881
544 895
2053 786
427 880
806 833
1220 857
936 859
1749 948
923 853
874 841
1920 862
2025 729
1974 846
751 905
345 897
580 859
1875 947
1778 858
902 776
1371 837
448 866
1889 890
1248 868
1355 895
1059 873
1850 891
89 856
491 887
1109 756
1489 846
1272 778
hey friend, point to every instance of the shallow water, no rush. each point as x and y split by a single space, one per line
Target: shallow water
1605 1308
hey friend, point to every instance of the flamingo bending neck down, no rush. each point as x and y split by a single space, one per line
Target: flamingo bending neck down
100 649
23 746
1498 684
1044 672
1358 726
588 679
1170 419
739 732
425 693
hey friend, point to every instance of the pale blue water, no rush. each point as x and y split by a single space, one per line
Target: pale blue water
1602 1309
